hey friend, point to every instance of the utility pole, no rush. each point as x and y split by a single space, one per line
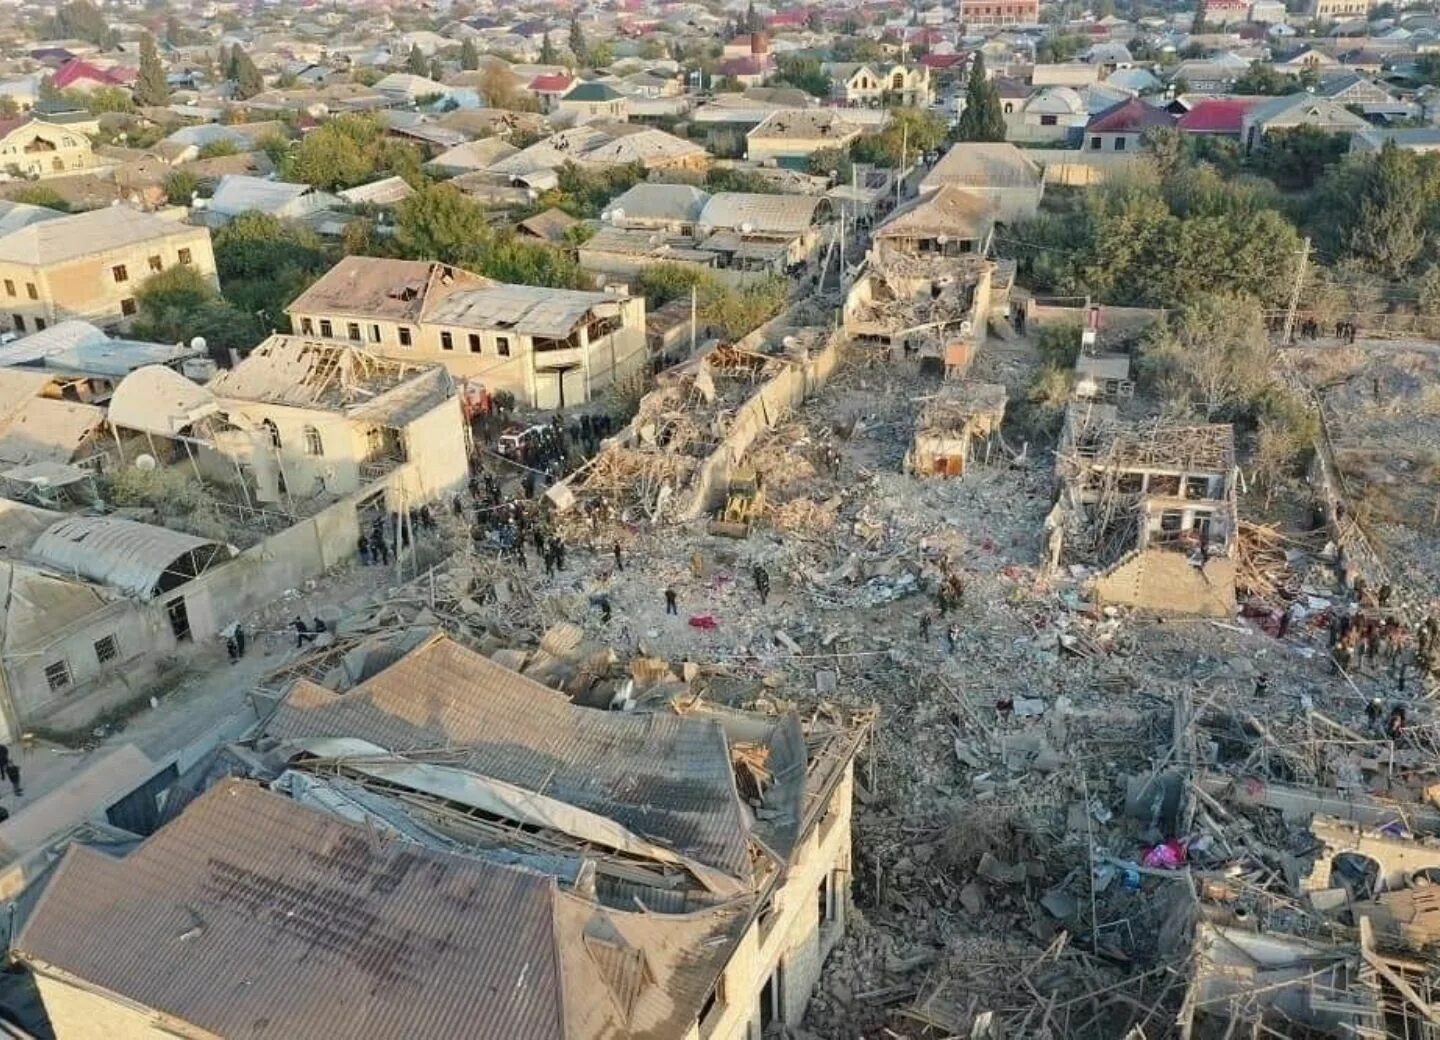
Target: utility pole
900 173
1295 290
692 320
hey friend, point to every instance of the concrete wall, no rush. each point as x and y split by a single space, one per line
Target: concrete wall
764 409
79 1014
1166 582
86 288
69 150
793 940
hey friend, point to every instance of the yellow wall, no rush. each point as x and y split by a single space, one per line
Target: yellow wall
78 1014
87 288
68 150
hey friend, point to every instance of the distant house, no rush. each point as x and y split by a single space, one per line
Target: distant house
1421 140
548 226
749 70
866 84
1220 117
760 232
35 148
403 88
548 90
471 156
590 101
674 208
185 144
85 77
1121 127
1000 173
984 14
1296 110
237 194
1336 10
789 138
1050 114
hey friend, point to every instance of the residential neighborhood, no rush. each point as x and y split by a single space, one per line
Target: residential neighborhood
708 520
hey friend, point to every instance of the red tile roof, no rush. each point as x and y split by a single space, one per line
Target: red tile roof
941 61
76 70
1129 116
1217 116
556 84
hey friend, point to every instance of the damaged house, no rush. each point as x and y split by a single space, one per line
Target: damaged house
527 866
950 424
549 347
1153 506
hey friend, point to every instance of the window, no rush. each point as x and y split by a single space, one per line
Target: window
127 306
31 291
474 343
119 273
326 329
1095 144
447 341
825 897
1197 487
1119 144
69 142
307 327
1049 120
374 333
9 287
156 264
404 336
502 346
58 675
19 322
184 256
273 431
106 649
1171 520
352 330
39 324
313 444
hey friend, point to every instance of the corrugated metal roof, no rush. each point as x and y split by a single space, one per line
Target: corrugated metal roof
252 916
40 607
667 778
81 234
138 559
731 210
526 309
237 193
644 201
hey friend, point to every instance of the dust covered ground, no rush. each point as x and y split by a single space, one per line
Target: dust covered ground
975 827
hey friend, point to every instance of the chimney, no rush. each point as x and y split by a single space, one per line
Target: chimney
759 44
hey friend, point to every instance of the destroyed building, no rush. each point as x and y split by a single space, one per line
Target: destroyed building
949 425
673 873
1152 506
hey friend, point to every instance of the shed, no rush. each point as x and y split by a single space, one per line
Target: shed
141 560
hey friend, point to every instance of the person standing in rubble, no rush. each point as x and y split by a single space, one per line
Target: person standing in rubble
671 606
11 771
762 582
1395 724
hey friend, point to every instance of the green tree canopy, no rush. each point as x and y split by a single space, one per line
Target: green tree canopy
180 187
909 133
469 55
982 119
81 20
247 78
178 304
1215 353
416 64
803 74
577 41
439 223
264 263
348 150
151 88
1389 233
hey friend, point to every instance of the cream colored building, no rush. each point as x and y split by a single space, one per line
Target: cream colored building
91 265
551 348
872 85
36 148
669 890
789 137
1339 10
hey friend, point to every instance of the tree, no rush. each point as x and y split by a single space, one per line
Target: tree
40 195
416 64
248 81
600 55
180 187
439 223
1263 78
437 70
151 88
81 20
497 86
1389 232
1427 292
834 163
469 56
264 263
1295 158
178 303
577 40
547 50
1166 146
910 132
218 148
103 99
802 73
982 119
346 151
1214 353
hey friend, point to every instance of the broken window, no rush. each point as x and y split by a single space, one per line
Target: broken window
326 329
127 306
57 675
1171 520
156 264
184 255
9 287
307 327
447 341
374 333
1130 483
352 330
404 336
313 444
1165 485
474 343
106 649
273 431
1197 487
31 291
502 346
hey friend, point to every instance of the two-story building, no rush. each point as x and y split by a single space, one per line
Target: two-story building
549 347
90 265
872 85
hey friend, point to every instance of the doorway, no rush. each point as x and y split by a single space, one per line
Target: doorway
179 617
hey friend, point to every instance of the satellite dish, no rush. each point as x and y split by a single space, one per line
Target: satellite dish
198 343
145 463
942 239
616 215
746 228
788 342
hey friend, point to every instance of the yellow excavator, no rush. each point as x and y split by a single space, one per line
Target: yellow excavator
743 503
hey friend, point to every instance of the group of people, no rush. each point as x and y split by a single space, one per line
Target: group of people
1359 641
305 634
1310 329
375 548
